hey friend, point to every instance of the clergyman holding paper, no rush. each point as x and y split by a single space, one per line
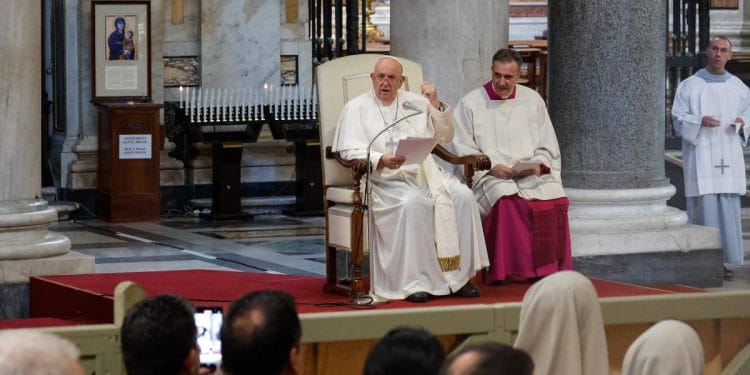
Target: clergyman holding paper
522 202
420 248
709 112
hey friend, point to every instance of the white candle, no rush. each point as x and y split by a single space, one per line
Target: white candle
195 102
230 105
314 103
200 104
265 94
211 104
298 104
288 102
280 103
233 104
255 104
193 99
214 106
221 100
244 104
180 97
305 104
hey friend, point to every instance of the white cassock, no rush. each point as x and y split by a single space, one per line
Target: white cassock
714 167
404 258
509 131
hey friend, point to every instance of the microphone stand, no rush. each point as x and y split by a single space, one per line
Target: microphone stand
362 300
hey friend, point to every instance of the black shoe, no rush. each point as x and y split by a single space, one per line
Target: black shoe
728 274
468 291
418 297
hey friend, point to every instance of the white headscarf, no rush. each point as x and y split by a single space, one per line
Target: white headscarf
561 326
669 347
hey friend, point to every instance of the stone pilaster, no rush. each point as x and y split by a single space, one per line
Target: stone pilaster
607 103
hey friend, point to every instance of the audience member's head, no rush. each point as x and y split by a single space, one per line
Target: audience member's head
561 326
260 335
669 347
408 351
158 337
27 352
488 358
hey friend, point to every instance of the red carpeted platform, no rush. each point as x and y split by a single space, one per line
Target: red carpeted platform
82 299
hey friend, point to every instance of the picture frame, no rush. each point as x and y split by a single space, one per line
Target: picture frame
725 4
289 70
182 71
120 51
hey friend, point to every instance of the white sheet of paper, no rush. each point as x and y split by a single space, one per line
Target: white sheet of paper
415 150
524 165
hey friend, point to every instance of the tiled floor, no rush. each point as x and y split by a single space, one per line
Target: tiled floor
267 243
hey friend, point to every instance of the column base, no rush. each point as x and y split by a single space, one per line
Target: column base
14 278
632 236
700 268
23 230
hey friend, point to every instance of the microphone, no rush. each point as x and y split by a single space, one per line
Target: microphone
406 105
361 300
409 106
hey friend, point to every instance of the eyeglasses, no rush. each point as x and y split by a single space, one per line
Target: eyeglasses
391 79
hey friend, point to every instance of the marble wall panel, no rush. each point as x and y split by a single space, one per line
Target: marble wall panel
240 43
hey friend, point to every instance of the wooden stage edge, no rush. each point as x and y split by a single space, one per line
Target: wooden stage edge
338 342
722 320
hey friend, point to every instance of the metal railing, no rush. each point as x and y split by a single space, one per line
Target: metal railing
330 38
688 36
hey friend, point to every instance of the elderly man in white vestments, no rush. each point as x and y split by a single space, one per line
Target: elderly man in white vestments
709 112
521 199
418 211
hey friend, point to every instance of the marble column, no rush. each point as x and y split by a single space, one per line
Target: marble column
607 102
454 40
26 246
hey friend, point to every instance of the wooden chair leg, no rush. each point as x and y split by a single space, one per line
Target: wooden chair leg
357 246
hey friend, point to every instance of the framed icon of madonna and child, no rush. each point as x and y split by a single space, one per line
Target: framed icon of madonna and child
120 49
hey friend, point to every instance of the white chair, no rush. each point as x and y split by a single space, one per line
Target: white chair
338 81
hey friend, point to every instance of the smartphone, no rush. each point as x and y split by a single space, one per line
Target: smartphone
208 322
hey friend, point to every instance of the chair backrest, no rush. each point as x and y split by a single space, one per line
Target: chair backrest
338 81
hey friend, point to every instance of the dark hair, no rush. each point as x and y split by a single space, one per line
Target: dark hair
507 55
119 20
408 351
259 331
157 335
494 359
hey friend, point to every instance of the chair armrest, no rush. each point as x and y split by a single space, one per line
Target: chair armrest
358 169
479 162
